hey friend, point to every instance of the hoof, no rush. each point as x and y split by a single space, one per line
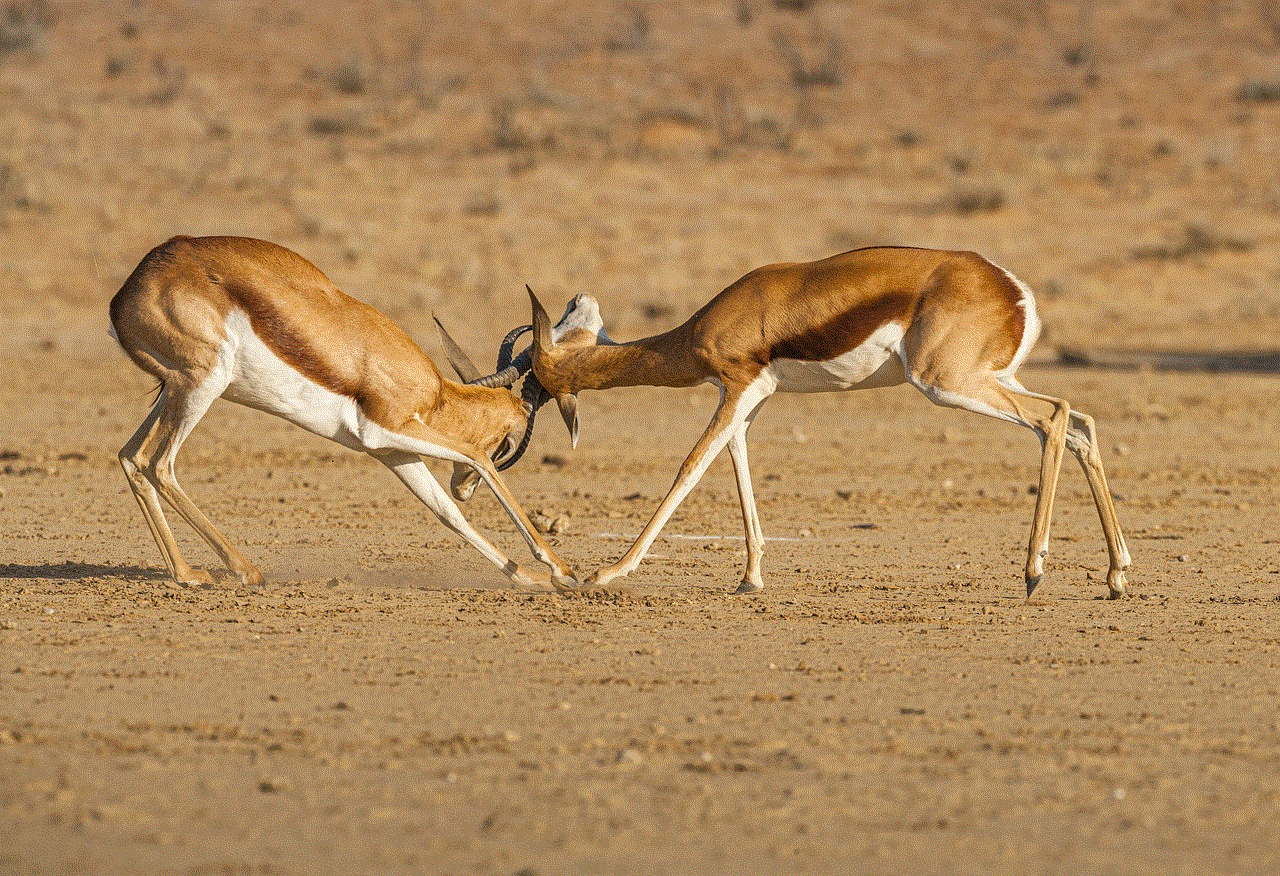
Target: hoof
194 578
521 581
564 583
1116 585
251 578
1033 581
602 577
750 587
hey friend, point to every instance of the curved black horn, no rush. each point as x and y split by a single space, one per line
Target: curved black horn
508 345
505 377
509 371
534 396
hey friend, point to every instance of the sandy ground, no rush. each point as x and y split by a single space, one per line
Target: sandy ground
891 702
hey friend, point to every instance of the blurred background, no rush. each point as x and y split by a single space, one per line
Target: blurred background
1122 157
891 695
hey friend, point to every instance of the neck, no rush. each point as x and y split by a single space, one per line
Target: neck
473 414
660 360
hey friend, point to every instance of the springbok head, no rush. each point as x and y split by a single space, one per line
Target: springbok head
581 325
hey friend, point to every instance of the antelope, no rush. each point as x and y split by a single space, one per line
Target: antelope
952 324
257 324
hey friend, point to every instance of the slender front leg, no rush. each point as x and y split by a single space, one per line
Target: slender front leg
417 477
424 441
752 581
730 416
562 577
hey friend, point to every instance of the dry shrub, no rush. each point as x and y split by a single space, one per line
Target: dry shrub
631 32
23 22
1190 241
350 78
16 191
972 199
1259 92
820 70
737 127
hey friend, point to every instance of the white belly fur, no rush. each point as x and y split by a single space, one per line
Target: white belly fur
873 363
261 379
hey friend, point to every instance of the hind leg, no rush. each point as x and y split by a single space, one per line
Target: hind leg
176 422
984 394
133 457
150 462
1082 441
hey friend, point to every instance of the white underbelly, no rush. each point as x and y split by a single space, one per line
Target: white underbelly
873 363
261 379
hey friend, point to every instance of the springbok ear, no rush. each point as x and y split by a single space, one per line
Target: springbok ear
568 405
541 323
461 363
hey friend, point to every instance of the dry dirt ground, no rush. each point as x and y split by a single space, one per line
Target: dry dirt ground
891 702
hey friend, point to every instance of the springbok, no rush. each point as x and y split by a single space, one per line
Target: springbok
952 324
257 324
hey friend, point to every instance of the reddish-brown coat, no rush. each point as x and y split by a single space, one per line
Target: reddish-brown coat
815 311
170 316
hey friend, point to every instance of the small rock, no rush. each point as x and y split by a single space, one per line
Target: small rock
629 757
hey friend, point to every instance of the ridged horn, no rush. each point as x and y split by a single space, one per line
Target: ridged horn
509 371
508 345
505 377
534 397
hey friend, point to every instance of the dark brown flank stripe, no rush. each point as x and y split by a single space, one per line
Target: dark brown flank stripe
285 341
845 332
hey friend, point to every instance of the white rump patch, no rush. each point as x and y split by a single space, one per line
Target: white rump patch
1031 322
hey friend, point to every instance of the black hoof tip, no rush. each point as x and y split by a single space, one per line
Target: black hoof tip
1032 584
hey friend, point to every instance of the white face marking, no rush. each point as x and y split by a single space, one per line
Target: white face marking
260 379
582 312
873 363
